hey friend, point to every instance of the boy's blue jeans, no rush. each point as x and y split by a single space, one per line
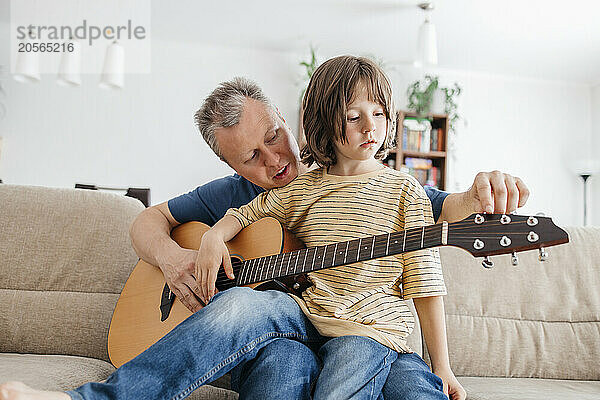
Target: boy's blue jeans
233 330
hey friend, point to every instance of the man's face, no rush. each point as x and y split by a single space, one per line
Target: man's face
260 147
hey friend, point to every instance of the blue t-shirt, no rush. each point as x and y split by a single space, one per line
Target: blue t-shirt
209 202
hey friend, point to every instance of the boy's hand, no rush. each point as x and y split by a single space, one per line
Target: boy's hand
452 388
211 255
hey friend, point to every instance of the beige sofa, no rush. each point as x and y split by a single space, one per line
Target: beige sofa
65 255
530 332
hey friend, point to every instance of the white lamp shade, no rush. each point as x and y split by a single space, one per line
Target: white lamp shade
586 166
27 67
113 73
69 71
427 44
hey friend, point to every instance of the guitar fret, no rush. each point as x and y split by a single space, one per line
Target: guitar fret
324 253
422 236
262 271
387 246
281 263
256 272
252 270
274 263
254 266
287 269
314 256
358 253
269 266
304 263
404 241
241 279
264 265
346 253
372 246
334 254
296 262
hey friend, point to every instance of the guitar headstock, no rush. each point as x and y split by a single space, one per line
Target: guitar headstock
485 235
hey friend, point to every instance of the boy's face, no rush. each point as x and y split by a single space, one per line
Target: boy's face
366 127
260 147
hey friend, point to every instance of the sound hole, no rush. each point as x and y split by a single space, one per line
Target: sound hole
223 282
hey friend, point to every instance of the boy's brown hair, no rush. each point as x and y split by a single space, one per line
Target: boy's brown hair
330 90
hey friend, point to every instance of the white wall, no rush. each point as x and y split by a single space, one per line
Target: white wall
532 129
144 135
594 182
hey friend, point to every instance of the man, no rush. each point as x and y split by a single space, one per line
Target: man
254 140
244 130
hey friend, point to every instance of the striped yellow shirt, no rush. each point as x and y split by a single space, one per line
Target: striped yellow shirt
365 298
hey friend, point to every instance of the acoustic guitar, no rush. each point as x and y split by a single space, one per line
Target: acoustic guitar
266 256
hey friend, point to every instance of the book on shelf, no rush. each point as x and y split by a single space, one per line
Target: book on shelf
420 136
423 170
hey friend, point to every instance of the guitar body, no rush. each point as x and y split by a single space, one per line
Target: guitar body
136 322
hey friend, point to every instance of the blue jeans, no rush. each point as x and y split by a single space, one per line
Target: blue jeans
232 330
409 377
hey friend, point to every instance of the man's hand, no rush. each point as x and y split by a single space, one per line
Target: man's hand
496 192
178 272
452 388
211 255
492 192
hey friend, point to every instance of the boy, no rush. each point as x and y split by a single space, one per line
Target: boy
349 126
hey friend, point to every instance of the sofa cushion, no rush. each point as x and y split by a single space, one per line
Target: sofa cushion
528 389
52 372
536 320
60 373
65 255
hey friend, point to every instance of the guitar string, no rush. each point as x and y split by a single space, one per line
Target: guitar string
416 234
411 235
430 242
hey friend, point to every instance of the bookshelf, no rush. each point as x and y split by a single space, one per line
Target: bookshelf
419 153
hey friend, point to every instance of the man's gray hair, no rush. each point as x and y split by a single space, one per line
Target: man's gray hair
224 106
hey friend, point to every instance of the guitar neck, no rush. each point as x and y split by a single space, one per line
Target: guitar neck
341 253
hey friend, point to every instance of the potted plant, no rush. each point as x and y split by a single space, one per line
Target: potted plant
310 67
421 97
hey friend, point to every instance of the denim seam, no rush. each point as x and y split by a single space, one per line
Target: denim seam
74 395
245 349
373 381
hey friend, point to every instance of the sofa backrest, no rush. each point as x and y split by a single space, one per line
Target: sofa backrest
65 255
538 319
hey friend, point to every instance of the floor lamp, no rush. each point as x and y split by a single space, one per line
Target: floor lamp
584 168
585 177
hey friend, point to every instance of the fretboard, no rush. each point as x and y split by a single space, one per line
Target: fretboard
342 253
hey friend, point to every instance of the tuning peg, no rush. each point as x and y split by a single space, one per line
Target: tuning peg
514 259
543 254
487 262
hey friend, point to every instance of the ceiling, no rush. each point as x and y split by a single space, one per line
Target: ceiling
547 39
541 39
